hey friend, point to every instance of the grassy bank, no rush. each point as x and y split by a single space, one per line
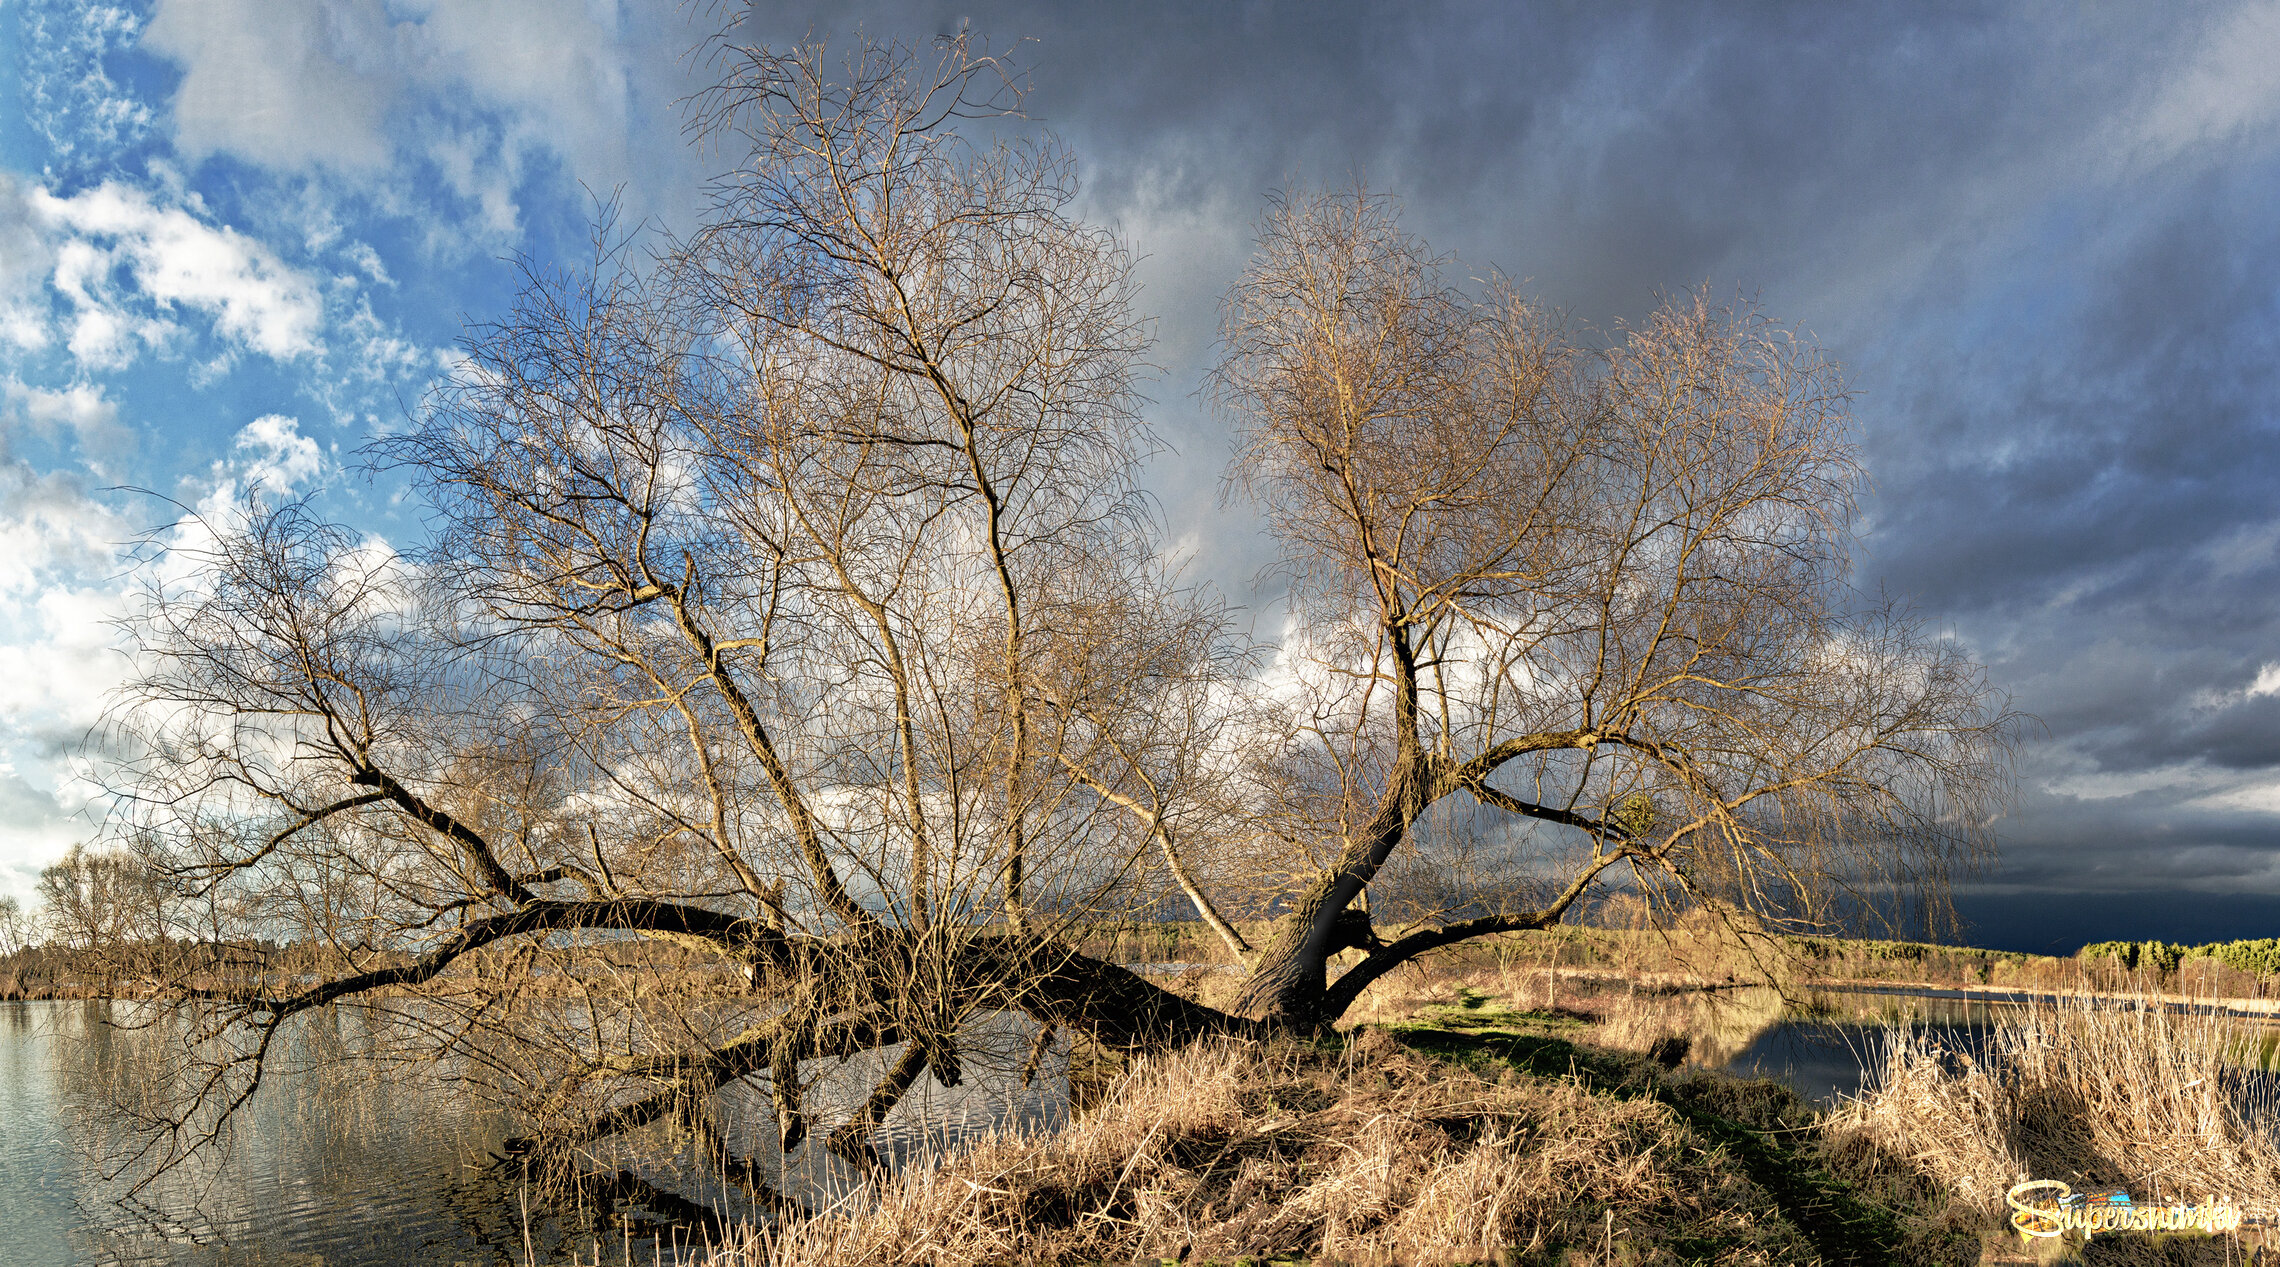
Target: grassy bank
1390 1148
2096 1095
1482 1128
1473 1131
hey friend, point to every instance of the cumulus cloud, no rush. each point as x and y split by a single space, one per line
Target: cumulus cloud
59 594
53 535
40 828
67 573
274 454
26 263
53 684
254 76
127 262
81 410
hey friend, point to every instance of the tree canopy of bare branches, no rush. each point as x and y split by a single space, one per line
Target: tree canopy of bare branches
792 669
1597 592
94 898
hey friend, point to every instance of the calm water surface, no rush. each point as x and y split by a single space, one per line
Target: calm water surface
1838 1049
331 1166
1825 1058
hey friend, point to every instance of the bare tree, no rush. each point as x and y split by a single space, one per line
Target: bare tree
101 899
779 587
1597 593
793 667
16 928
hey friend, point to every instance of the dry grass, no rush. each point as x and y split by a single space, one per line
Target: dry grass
2133 1096
1376 1154
1708 1026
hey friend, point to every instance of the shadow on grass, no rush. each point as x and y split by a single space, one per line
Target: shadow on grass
1766 1128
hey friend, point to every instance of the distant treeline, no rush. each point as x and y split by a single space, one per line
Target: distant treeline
1691 949
143 969
2260 955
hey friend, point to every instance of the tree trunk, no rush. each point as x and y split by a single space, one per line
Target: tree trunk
1289 984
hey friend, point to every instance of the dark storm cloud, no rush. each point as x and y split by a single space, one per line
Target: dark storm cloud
2039 237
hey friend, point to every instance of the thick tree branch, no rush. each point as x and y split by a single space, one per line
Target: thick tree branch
734 934
1385 958
478 849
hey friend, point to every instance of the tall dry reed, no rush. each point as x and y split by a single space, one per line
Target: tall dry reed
2080 1091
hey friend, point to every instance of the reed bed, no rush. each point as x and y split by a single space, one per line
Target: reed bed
2083 1091
1370 1155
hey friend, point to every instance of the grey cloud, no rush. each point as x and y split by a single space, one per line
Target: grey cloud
480 99
2039 236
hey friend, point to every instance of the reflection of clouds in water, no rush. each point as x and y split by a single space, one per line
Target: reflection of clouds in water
348 1163
929 1119
1825 1061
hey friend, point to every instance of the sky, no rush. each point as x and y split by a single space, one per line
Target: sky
238 238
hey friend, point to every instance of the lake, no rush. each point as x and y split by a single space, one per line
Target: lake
1835 1049
330 1165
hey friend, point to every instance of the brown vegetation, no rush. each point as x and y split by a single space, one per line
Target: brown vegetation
1373 1154
1518 1145
2082 1091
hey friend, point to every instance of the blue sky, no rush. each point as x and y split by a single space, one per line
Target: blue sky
239 237
235 242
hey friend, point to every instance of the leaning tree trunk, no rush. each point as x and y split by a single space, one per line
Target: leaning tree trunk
1290 984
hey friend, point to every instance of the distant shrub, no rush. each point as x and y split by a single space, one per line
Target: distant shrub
2123 953
1892 949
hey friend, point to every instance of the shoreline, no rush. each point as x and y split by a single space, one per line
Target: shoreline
2243 1007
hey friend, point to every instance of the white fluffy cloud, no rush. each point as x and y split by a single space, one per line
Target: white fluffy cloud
252 71
39 827
66 577
126 263
81 410
59 559
276 455
26 263
52 534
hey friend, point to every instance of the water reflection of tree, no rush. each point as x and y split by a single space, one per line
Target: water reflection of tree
327 1139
